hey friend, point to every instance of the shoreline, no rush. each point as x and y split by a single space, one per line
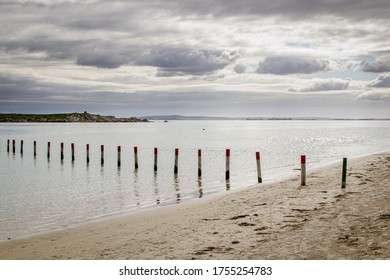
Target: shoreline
275 220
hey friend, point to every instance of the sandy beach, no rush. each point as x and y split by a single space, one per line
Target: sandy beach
280 220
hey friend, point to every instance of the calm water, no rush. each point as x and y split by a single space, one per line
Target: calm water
38 195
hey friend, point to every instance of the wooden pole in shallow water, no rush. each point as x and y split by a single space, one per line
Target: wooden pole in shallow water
21 147
136 158
35 149
48 150
62 151
199 163
227 175
303 170
13 146
176 169
87 153
119 155
72 148
155 159
344 175
8 146
259 179
102 155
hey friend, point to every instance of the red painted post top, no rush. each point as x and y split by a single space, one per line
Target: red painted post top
303 159
48 144
135 149
72 145
119 149
102 147
87 146
257 155
199 153
176 152
155 151
228 152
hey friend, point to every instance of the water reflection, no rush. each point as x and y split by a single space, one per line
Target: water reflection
136 189
177 188
200 188
156 191
228 185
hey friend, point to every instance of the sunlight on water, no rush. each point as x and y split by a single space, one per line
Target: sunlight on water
38 194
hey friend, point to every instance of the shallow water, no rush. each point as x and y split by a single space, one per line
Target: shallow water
40 194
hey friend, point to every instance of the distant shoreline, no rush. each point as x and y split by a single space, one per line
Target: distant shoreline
65 117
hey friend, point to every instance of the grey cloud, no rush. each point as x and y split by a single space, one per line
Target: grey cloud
382 81
240 68
285 65
186 61
375 96
378 66
323 85
295 9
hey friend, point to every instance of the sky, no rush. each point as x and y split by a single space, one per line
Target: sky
246 58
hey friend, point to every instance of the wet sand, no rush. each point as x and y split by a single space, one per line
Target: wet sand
280 220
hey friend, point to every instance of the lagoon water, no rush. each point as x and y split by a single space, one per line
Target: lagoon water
39 195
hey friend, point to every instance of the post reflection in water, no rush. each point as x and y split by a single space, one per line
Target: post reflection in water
136 188
228 185
200 188
177 188
156 191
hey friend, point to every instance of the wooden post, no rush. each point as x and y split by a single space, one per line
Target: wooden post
176 169
199 163
72 148
8 146
344 175
259 179
119 155
35 149
227 175
62 151
155 159
21 147
102 155
13 146
303 170
136 158
87 153
48 150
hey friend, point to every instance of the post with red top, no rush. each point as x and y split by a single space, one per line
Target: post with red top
48 150
35 149
21 147
119 155
13 146
87 153
155 159
176 169
227 175
199 163
102 155
8 146
72 149
303 170
259 179
62 151
136 158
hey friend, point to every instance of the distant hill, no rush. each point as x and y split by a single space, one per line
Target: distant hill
72 117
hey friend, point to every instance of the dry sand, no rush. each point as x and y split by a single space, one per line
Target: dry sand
280 220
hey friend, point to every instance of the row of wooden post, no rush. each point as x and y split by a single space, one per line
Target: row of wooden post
176 166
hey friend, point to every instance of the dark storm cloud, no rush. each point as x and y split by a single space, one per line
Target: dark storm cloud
172 61
286 65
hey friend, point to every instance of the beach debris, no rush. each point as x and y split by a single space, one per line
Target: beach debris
238 217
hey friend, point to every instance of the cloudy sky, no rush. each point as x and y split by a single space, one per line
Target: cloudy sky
321 58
